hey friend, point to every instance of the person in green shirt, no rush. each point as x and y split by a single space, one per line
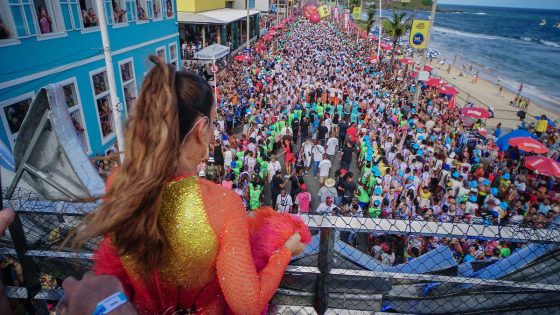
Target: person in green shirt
320 110
290 119
375 210
363 197
255 192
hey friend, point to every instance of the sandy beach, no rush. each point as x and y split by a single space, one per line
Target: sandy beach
486 92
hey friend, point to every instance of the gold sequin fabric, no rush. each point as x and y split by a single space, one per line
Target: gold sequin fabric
191 260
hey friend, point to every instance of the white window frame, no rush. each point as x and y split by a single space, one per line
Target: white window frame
53 8
160 17
6 15
176 59
133 81
144 5
104 139
12 136
78 107
122 6
91 28
164 4
158 49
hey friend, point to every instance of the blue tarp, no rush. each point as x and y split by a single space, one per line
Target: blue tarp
503 140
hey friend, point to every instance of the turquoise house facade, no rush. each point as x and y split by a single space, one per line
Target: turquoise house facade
59 42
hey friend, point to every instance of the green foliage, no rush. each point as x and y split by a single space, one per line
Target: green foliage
427 2
397 26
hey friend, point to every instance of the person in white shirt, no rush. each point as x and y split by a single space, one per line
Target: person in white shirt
318 151
273 167
332 145
324 168
284 202
327 207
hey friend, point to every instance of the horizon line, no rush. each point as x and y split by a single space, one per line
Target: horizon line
497 6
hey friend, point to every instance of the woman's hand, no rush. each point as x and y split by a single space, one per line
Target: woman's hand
295 245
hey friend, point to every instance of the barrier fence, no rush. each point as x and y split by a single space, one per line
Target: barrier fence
352 266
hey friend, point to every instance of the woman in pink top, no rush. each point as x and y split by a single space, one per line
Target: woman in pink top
45 23
303 199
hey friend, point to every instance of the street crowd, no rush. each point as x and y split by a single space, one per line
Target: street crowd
311 109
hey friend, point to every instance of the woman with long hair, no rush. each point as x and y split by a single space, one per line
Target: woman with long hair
175 241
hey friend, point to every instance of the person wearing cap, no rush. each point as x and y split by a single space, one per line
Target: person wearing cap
327 207
328 190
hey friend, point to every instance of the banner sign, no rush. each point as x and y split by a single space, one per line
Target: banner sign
356 13
324 11
419 34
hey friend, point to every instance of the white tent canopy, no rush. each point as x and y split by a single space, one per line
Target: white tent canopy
212 52
219 16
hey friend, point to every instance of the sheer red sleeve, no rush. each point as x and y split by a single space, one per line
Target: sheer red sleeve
245 290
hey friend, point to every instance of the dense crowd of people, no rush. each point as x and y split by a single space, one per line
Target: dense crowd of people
310 111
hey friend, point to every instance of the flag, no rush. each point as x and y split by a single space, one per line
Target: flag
451 103
357 13
324 11
419 34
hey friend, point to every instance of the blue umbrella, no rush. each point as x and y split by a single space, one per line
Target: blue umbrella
502 141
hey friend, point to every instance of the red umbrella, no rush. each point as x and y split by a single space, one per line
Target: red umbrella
428 68
543 165
273 33
386 46
267 37
449 90
364 35
374 38
475 112
243 58
372 59
434 82
528 144
406 61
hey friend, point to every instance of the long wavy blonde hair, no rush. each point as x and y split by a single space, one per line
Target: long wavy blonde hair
167 108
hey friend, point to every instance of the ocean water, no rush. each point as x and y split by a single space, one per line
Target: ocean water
504 43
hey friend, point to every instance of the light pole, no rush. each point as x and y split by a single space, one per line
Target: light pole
248 27
425 53
379 37
115 103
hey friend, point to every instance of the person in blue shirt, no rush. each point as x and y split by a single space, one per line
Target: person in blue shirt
498 131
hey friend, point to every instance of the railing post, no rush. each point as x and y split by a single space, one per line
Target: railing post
325 264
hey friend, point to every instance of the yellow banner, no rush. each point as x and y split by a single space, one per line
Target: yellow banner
324 11
419 34
356 13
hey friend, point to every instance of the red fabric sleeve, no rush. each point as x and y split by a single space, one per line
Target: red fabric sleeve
245 290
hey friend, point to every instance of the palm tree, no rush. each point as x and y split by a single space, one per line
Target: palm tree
367 24
396 27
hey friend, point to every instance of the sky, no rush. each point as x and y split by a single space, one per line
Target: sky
537 4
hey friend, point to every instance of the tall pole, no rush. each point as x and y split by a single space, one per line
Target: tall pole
248 27
115 103
425 53
215 78
379 37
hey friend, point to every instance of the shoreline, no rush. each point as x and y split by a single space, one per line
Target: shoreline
486 91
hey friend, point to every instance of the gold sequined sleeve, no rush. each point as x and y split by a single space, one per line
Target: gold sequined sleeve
245 290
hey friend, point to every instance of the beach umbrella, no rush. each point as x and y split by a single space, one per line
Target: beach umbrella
267 38
243 58
428 68
503 141
434 82
374 38
475 112
406 61
543 165
386 47
449 90
528 144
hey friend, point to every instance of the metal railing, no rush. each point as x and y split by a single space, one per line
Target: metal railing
352 266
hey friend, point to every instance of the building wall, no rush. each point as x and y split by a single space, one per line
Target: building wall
71 58
241 4
195 6
262 5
